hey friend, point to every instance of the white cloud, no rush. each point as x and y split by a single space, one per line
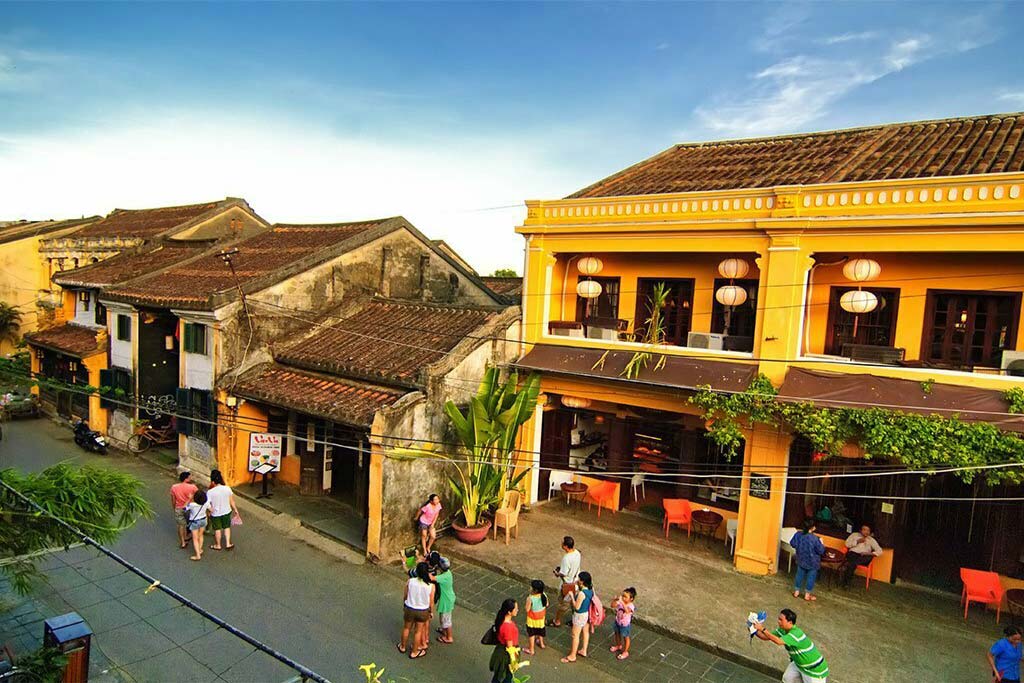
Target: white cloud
662 46
907 52
288 172
1015 98
849 38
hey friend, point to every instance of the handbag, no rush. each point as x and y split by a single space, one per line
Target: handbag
236 520
490 636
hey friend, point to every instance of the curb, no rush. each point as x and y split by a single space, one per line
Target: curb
655 627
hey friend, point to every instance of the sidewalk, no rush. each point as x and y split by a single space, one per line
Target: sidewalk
689 590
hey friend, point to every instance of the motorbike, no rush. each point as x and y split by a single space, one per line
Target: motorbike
89 439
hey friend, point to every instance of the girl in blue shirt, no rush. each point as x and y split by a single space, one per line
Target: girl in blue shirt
1005 655
809 550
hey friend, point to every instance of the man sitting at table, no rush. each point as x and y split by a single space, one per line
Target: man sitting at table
861 549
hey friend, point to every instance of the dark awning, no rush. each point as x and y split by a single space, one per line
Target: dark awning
842 390
677 373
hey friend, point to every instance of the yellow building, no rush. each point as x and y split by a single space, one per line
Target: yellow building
936 205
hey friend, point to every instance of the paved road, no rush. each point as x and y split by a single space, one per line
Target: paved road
330 614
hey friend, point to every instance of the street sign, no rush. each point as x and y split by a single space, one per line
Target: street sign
265 449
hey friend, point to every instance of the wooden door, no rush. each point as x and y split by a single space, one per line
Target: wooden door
311 456
554 446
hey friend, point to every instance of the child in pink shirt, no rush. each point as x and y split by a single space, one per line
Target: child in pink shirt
425 519
624 608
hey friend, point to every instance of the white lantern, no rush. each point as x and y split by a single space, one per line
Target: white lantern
861 269
575 402
588 289
858 301
733 268
589 265
731 295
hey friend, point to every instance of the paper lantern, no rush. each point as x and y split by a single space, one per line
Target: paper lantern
861 269
575 402
733 268
589 265
858 301
588 289
731 295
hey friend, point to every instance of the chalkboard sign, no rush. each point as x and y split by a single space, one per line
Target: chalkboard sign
760 486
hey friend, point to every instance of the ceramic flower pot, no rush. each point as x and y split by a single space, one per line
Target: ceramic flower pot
471 535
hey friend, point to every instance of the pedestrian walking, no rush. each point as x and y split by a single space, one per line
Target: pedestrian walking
567 572
223 511
536 614
181 495
507 634
417 612
581 600
624 606
809 550
446 603
806 664
425 520
197 511
1004 657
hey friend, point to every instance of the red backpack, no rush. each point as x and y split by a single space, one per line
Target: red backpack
596 611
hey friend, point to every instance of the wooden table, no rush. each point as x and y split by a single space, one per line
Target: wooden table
705 522
833 560
575 490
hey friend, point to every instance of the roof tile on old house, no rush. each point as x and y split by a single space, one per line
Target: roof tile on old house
146 223
508 288
12 231
74 340
259 256
338 400
387 341
128 265
922 149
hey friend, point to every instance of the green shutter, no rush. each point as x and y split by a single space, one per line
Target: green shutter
106 388
184 408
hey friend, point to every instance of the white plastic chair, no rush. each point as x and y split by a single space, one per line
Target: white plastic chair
784 538
637 481
731 526
556 478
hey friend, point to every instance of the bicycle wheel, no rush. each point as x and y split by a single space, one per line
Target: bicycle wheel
138 443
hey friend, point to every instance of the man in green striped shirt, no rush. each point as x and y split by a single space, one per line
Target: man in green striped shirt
806 665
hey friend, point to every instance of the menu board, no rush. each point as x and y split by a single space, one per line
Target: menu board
760 486
265 449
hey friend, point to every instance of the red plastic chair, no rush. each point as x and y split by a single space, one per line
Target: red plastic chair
601 494
677 511
867 572
981 586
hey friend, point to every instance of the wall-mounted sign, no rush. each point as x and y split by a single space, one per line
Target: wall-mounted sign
265 449
760 486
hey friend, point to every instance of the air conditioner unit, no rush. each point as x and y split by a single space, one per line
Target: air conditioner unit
705 340
1013 363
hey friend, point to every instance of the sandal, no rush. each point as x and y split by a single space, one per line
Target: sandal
401 647
229 547
614 648
529 652
418 654
450 641
796 594
566 660
622 655
195 559
581 654
215 547
810 598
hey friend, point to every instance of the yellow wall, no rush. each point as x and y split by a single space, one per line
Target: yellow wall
233 443
21 277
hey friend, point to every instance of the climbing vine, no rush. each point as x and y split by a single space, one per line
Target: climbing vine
918 441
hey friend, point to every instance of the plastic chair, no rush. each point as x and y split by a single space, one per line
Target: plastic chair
981 586
731 526
507 515
556 478
867 573
677 511
784 538
600 494
637 481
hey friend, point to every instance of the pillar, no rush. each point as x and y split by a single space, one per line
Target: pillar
375 492
760 519
784 269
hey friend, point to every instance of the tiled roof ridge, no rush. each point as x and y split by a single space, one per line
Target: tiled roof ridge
342 224
214 203
450 307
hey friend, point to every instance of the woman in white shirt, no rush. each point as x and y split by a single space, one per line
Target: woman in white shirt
419 610
222 507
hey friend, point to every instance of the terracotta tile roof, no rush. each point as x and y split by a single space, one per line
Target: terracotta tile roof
147 222
18 230
923 149
339 400
508 288
128 265
193 283
74 340
387 341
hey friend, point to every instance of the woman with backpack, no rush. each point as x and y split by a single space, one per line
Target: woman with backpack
505 633
581 603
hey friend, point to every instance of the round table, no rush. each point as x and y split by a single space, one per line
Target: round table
575 490
705 522
1015 603
833 560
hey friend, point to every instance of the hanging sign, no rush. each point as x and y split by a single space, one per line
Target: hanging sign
265 449
760 486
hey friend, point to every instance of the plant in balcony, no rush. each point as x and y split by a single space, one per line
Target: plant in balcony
653 332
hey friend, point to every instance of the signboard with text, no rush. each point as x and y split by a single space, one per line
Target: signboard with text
760 486
265 449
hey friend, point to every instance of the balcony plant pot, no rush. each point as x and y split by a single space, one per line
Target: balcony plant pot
471 535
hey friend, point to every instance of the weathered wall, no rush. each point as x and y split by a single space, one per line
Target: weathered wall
221 226
21 278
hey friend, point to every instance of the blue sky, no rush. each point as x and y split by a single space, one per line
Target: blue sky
441 112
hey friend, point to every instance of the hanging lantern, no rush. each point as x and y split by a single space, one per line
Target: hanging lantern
589 265
575 402
858 301
588 289
861 269
733 268
731 295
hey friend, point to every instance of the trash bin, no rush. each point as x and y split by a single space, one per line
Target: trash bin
72 636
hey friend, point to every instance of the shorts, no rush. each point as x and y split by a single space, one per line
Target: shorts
220 522
198 524
181 516
446 619
622 631
580 619
537 632
416 615
423 527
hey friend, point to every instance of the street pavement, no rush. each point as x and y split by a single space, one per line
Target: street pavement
327 610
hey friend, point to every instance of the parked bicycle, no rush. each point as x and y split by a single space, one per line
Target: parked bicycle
146 436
